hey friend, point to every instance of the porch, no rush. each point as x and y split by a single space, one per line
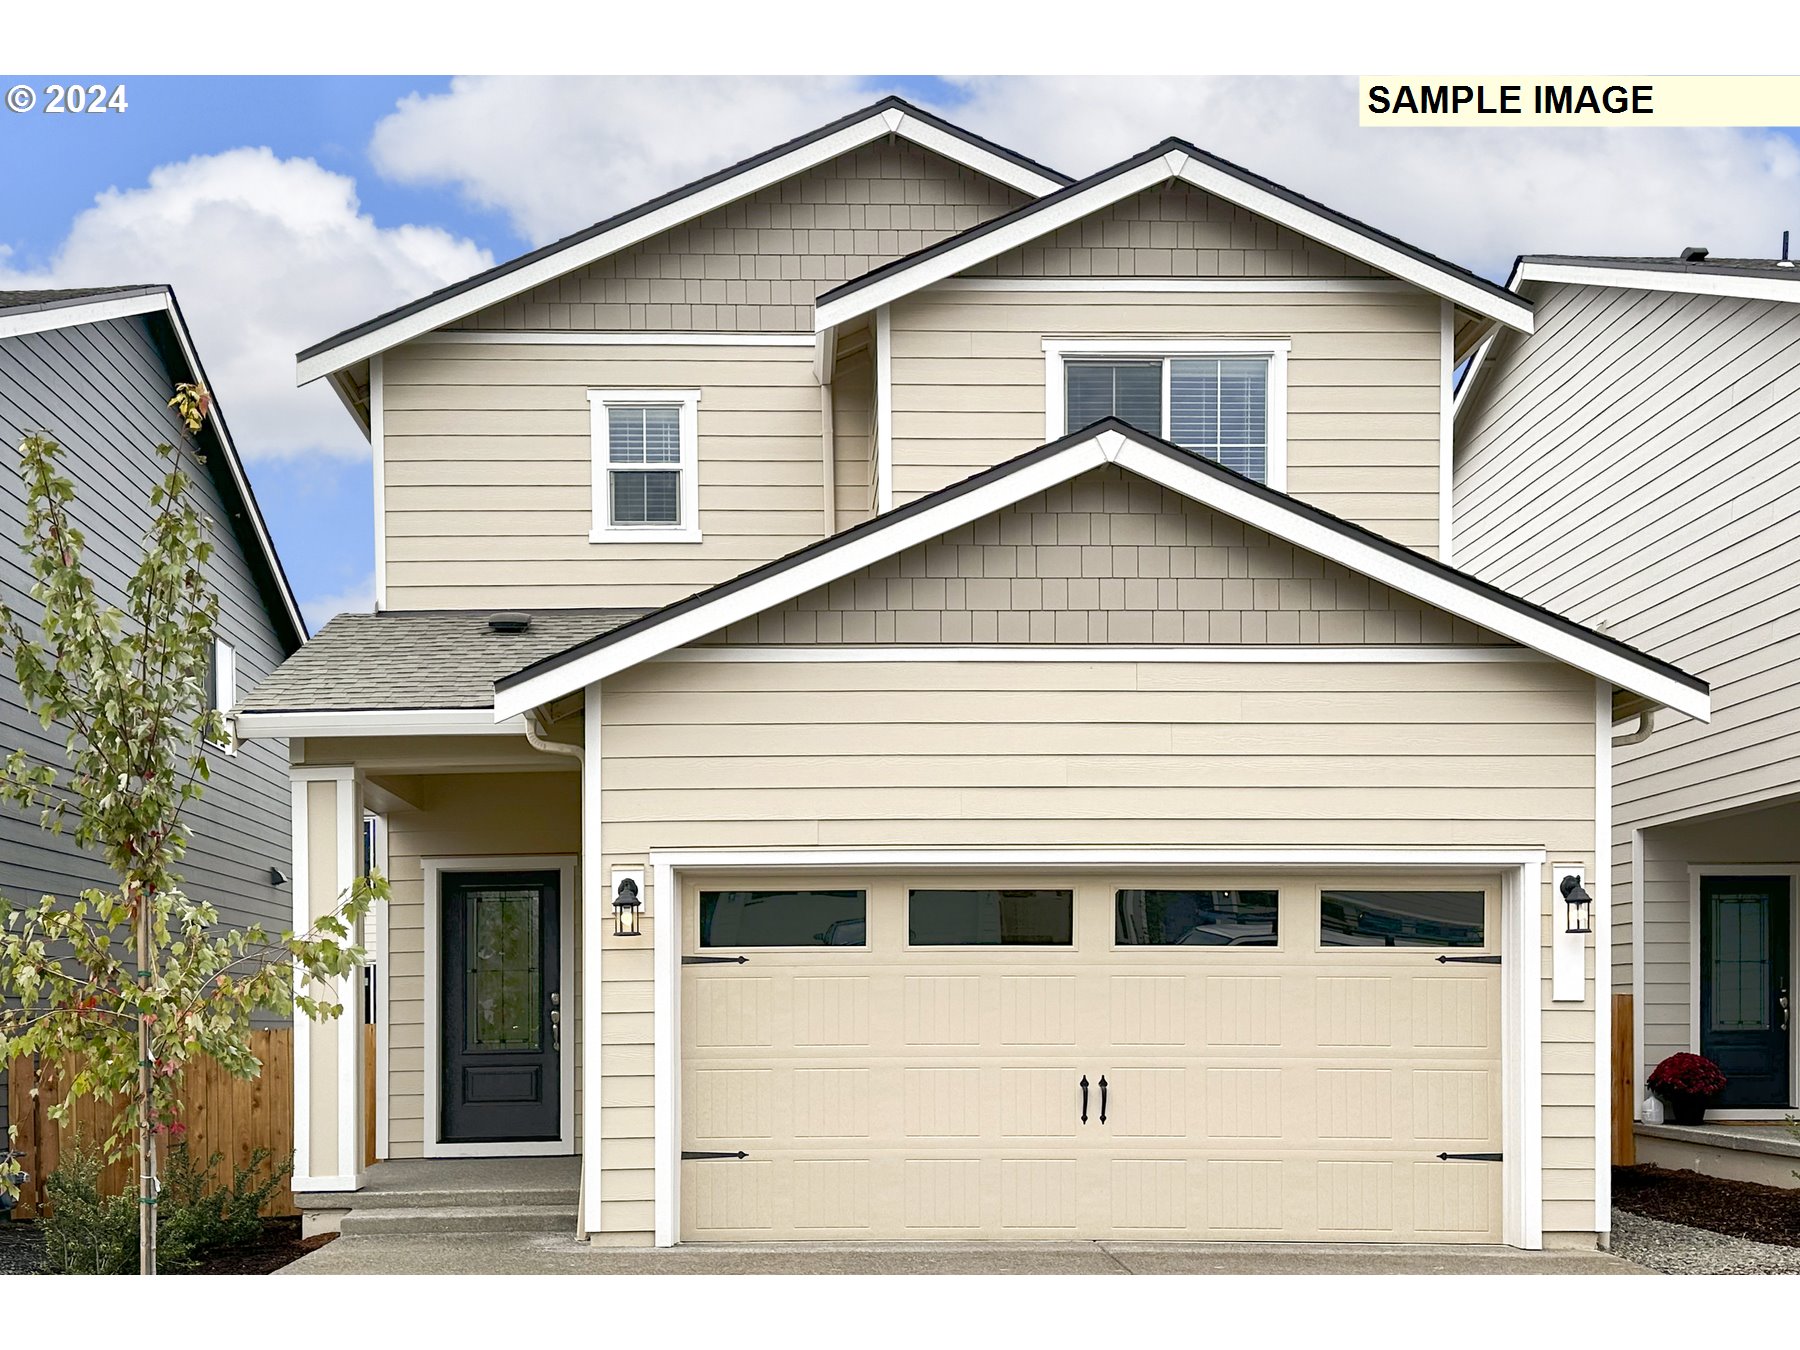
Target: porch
1764 1152
416 1197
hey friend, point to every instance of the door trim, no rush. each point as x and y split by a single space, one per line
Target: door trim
563 864
1790 870
1521 1006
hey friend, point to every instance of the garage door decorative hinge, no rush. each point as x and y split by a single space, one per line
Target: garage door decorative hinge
714 960
688 1156
1469 960
1471 1157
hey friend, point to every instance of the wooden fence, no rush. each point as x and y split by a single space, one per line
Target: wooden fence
1624 1089
232 1116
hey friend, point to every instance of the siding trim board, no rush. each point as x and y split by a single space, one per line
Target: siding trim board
1110 441
890 116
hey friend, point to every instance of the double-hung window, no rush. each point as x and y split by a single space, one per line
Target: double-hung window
1223 399
645 454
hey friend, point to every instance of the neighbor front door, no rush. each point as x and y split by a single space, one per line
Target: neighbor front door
1746 994
502 1003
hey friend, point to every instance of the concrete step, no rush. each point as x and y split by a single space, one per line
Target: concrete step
463 1197
507 1218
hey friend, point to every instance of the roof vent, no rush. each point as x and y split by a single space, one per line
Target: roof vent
509 621
1694 253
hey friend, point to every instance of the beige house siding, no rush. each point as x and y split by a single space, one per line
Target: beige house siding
1175 230
1107 558
1631 464
1364 378
463 815
487 462
853 424
757 264
844 755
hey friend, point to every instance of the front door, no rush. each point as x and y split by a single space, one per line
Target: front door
502 993
1746 999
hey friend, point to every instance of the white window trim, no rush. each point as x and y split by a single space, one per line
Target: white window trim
432 870
1057 352
688 530
223 694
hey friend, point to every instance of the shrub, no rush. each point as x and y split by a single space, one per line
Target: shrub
88 1233
1692 1076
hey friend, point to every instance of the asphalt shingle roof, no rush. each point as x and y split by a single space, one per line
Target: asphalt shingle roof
33 299
419 659
1759 266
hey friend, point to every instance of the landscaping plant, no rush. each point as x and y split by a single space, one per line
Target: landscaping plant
1688 1082
126 986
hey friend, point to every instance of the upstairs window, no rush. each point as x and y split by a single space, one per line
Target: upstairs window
646 479
221 690
1223 400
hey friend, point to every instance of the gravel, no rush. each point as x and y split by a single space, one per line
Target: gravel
1676 1249
21 1248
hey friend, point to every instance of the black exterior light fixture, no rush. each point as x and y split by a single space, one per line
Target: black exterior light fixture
1579 903
626 908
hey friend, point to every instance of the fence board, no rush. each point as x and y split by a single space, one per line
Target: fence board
232 1116
1624 1089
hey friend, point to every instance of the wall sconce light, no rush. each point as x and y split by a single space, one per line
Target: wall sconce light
626 907
277 877
1579 903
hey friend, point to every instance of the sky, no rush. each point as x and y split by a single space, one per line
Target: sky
285 209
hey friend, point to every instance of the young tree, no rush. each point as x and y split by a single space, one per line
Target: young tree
128 985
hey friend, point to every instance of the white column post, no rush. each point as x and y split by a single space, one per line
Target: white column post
595 915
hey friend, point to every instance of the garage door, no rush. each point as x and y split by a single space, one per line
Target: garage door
1232 1058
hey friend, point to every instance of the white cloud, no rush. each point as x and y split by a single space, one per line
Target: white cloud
1478 197
357 599
558 154
266 255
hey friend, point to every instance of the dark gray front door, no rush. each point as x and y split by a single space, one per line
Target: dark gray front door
1746 1002
501 984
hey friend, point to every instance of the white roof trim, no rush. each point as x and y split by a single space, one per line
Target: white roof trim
1748 286
377 722
161 300
1269 514
1174 165
890 121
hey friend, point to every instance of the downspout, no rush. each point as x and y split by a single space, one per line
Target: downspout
535 738
1646 725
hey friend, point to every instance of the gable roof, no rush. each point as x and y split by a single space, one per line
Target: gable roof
890 116
1171 159
1111 441
37 311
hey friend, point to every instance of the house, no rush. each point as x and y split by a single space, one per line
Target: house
1631 464
94 368
915 698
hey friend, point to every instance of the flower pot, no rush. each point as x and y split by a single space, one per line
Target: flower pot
1688 1110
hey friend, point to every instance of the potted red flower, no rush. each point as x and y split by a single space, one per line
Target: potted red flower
1688 1084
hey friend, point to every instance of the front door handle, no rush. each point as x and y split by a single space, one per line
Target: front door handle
1084 1092
556 1021
1783 1001
1103 1099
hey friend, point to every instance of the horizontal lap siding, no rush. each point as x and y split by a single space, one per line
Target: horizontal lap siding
462 815
1473 755
1363 380
488 468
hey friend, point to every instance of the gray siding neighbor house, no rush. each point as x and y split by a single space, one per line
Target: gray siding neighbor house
95 369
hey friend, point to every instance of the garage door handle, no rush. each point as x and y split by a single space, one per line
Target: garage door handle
1084 1090
1103 1099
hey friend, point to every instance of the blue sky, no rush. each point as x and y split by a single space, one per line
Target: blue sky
283 209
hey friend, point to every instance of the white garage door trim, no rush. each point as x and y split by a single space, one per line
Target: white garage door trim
1520 1009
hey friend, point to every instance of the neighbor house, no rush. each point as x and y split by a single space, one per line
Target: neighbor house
915 698
1631 463
95 369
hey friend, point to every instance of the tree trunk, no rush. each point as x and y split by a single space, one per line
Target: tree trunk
146 1141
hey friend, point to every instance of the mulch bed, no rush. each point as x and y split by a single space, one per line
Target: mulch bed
281 1245
1738 1208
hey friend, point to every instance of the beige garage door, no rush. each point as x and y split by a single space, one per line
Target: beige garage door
1231 1058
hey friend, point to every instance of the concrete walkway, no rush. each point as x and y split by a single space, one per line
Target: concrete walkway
535 1254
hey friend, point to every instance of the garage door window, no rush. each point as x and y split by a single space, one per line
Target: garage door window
1195 918
1403 919
1025 918
784 919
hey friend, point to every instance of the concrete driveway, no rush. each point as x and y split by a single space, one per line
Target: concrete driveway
535 1254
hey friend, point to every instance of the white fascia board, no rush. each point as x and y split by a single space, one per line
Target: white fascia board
1076 655
1419 582
1748 287
676 213
1182 285
1353 243
97 310
570 338
990 245
785 585
378 722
